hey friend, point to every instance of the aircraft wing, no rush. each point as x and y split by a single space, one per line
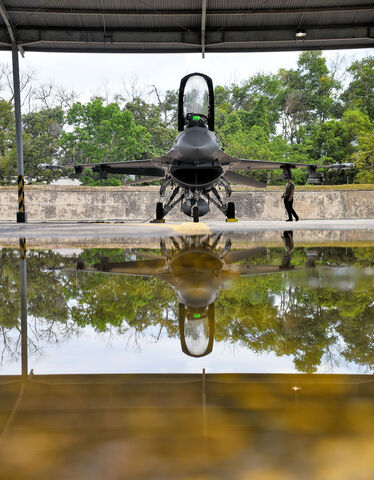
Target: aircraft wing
150 167
243 164
249 270
153 167
237 255
235 163
144 268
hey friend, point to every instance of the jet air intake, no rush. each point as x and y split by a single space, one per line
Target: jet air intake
196 177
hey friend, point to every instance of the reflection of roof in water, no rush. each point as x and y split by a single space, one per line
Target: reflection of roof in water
67 425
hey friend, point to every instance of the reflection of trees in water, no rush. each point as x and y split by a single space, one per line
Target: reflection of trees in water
313 324
48 312
303 314
10 307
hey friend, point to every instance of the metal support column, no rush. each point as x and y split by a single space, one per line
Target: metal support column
203 27
205 418
23 278
203 398
21 214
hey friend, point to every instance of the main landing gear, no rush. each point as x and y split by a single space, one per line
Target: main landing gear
195 213
192 202
227 209
160 213
230 213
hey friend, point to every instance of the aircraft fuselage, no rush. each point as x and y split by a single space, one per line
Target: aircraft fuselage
195 164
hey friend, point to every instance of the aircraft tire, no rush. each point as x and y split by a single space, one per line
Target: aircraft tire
195 212
230 210
159 211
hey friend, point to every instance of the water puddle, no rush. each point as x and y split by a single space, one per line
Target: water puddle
210 357
191 302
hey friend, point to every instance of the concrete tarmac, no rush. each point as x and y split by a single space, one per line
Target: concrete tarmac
152 230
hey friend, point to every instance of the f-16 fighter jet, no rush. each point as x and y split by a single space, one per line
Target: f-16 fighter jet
196 173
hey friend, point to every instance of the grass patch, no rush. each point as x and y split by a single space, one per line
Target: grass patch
310 188
235 188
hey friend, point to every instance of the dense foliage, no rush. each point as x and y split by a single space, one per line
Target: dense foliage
306 114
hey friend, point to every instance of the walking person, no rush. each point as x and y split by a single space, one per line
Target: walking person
288 200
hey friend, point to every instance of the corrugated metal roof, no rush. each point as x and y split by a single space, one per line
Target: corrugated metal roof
165 25
289 20
112 21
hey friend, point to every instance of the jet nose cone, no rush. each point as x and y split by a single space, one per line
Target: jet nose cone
197 297
197 142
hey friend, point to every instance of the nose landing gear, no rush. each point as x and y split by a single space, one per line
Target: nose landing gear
195 213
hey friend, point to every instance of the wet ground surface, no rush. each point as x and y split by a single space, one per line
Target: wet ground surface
131 230
188 355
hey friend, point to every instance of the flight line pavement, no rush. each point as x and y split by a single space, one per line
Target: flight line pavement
147 230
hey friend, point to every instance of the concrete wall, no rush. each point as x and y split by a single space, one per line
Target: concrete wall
51 203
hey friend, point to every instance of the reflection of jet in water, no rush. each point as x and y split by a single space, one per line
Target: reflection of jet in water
196 268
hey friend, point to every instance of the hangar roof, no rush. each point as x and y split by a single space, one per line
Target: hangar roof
167 26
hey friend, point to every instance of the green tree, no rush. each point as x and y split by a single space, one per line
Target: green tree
260 95
8 157
157 124
308 94
41 139
317 83
355 124
360 92
103 133
364 158
328 142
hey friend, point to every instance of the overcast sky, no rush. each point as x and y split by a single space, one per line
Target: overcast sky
87 73
93 352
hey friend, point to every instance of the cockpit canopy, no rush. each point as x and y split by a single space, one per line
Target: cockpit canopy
196 329
196 101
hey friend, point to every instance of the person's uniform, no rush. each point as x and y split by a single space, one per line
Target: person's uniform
288 201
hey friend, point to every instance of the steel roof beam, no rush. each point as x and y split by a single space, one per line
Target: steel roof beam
7 21
36 35
10 27
176 12
223 48
183 42
313 34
